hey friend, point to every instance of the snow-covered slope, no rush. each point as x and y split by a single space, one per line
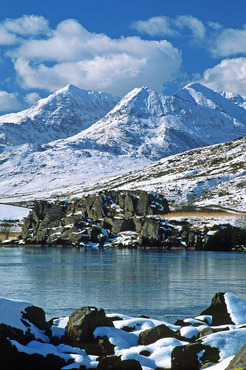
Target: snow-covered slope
64 113
143 127
210 176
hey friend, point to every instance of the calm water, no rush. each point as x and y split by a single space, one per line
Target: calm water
166 285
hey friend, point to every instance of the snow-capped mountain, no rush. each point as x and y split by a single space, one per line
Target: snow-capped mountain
147 125
210 176
141 128
62 114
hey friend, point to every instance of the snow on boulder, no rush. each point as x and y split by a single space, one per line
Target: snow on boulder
22 319
236 308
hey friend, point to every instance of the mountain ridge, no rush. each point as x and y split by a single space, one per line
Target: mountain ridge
141 128
62 114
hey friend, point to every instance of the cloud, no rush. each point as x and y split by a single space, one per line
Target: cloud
71 54
229 75
6 38
26 25
155 26
12 31
229 42
195 25
166 26
32 98
9 102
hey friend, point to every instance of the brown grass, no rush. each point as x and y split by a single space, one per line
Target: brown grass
200 214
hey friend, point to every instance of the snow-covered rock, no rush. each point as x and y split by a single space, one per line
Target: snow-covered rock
165 345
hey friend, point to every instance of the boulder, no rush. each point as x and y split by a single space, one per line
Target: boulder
190 356
36 316
115 363
239 360
218 310
83 322
12 359
152 335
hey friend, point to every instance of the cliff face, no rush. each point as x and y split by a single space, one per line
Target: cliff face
96 218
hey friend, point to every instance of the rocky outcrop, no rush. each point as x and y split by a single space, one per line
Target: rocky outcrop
106 218
95 218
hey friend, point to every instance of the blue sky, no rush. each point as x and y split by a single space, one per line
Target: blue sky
117 45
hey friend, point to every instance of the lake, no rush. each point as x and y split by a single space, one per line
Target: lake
165 285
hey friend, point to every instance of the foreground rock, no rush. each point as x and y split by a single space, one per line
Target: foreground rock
90 339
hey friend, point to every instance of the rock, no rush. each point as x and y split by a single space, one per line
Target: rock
83 322
36 316
115 363
239 360
186 357
11 359
151 233
120 224
66 223
209 330
152 335
218 310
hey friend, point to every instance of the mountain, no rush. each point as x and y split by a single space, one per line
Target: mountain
211 176
141 128
62 114
147 125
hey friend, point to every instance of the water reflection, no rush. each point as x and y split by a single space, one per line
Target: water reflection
162 284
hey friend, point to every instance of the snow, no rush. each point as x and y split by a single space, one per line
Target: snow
9 212
228 342
205 318
191 331
11 313
59 326
79 356
236 307
143 127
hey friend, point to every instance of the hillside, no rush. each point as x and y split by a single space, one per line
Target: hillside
211 176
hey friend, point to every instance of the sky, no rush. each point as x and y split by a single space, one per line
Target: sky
117 45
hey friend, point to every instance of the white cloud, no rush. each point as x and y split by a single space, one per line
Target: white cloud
195 25
12 31
155 26
166 26
229 75
229 42
26 25
9 102
32 98
6 38
71 54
